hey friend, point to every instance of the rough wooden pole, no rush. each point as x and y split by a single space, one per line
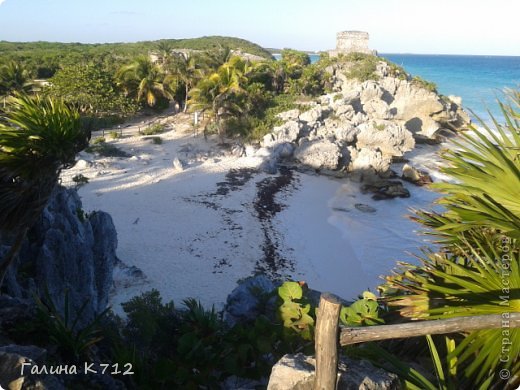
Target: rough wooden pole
326 342
422 328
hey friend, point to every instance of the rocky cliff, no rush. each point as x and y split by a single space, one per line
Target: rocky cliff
67 252
364 125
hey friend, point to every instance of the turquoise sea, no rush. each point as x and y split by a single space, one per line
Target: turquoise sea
479 80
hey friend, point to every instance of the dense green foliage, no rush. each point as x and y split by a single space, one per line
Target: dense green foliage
91 89
193 347
45 58
38 138
362 66
243 97
14 77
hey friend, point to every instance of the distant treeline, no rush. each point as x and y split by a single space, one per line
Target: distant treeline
45 58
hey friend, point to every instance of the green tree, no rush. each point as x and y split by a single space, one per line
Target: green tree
91 90
38 138
224 92
294 61
143 80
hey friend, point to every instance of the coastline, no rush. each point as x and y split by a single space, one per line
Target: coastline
194 232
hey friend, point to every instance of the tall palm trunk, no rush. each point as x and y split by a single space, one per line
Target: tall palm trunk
12 254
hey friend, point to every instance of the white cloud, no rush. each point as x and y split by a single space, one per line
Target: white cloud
1 1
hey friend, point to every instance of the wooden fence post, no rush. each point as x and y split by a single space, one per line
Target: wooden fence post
326 342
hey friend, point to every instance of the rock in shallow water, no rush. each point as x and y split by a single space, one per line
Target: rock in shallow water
386 189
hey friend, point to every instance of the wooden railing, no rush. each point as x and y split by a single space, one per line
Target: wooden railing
328 333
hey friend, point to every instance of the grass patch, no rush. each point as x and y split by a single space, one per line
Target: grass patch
113 135
420 82
156 128
98 140
106 150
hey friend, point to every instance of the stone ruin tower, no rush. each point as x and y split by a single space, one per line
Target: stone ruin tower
351 41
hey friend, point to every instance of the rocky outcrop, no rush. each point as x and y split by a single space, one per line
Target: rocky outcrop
68 253
296 372
318 154
252 297
364 127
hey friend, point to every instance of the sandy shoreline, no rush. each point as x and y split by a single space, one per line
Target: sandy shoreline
195 232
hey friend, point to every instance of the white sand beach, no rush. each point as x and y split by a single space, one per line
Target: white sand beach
194 232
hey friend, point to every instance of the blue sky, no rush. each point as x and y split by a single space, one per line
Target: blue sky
404 26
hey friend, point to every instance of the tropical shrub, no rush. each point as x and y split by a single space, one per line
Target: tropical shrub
478 270
38 138
362 67
63 331
485 166
15 78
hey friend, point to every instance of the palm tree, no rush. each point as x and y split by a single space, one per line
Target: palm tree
144 80
478 270
185 70
217 57
14 77
486 167
38 138
164 50
223 92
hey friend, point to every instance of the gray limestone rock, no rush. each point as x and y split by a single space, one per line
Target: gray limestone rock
318 154
386 189
68 252
390 138
246 300
368 160
288 132
370 90
32 352
314 115
415 176
346 112
297 372
12 378
290 115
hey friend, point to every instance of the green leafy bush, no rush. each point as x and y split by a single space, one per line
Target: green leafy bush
362 66
104 149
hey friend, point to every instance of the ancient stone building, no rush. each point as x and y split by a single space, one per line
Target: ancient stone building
351 41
